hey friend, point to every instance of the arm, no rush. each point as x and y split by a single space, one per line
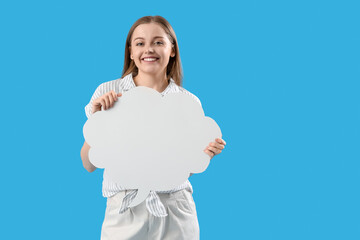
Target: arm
85 158
105 101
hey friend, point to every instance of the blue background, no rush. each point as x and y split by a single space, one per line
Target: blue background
281 78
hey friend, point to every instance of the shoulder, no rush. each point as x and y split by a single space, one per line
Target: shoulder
105 87
183 90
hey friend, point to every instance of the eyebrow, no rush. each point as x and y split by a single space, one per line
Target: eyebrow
153 38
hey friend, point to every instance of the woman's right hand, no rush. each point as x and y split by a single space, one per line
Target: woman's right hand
106 101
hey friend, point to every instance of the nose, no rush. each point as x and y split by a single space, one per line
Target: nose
149 49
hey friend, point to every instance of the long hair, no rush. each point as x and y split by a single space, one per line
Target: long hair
174 68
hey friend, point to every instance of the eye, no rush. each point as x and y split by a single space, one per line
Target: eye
159 42
137 44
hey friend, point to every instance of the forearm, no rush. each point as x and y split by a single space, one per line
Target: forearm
85 158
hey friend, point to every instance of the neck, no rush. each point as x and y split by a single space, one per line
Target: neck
158 82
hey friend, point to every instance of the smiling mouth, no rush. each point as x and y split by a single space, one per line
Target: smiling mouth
150 59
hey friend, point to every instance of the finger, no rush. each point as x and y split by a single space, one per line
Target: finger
103 103
114 95
111 101
106 102
217 145
119 94
211 154
96 103
214 150
221 141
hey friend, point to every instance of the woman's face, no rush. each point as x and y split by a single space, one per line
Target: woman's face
150 40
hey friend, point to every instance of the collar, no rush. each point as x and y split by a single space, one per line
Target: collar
128 83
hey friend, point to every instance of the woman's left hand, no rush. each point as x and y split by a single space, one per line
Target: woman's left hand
215 148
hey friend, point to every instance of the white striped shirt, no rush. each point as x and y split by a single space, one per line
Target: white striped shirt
110 188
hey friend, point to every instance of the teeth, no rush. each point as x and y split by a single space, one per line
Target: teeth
150 59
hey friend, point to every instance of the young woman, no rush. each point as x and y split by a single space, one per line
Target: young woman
151 59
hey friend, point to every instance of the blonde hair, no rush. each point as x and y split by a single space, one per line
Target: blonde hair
174 68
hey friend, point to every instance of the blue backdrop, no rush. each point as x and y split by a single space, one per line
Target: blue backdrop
281 78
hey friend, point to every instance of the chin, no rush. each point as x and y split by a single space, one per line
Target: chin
150 71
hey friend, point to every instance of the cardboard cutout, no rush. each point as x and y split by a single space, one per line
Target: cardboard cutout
149 142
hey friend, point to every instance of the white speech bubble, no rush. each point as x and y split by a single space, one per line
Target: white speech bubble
149 142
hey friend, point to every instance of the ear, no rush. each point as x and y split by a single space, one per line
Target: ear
172 52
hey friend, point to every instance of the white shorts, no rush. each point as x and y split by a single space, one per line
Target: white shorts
137 223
